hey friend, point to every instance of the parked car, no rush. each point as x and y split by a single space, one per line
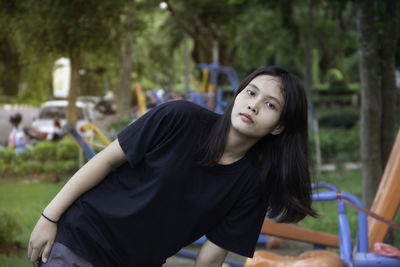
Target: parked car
56 111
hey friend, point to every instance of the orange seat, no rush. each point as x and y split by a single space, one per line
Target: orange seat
314 258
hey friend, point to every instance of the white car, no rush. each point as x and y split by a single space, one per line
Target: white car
57 110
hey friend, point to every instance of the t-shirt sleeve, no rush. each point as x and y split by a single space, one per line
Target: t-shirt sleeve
238 232
149 131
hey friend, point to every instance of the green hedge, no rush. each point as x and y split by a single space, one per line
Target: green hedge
47 158
338 145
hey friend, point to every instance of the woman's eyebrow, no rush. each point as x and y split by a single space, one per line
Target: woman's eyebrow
268 96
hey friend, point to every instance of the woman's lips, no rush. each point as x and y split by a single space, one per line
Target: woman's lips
246 117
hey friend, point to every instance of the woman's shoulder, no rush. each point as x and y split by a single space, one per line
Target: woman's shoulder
187 109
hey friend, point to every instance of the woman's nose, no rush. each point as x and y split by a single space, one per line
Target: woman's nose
252 108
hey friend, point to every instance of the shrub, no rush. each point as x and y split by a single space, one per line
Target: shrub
44 151
3 167
67 149
119 124
49 167
336 80
34 166
7 155
19 168
9 228
67 167
339 145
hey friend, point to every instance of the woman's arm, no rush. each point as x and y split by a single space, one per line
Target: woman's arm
92 173
210 255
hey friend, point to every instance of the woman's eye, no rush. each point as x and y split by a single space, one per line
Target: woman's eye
250 92
270 105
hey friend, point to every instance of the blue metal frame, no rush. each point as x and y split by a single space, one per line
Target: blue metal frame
68 127
360 257
215 69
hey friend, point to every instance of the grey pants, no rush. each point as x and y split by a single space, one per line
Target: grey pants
62 256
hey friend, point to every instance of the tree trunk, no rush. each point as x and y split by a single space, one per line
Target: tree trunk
370 101
11 74
307 63
124 88
74 87
186 62
388 48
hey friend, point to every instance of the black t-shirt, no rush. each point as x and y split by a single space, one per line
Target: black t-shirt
161 200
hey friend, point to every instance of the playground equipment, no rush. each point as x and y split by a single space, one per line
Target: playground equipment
387 198
385 204
90 126
141 98
360 257
69 128
357 258
210 95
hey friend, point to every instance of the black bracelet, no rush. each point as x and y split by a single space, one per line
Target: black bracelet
47 218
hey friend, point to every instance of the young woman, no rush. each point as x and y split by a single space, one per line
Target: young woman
180 172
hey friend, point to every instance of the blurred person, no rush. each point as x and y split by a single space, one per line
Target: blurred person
16 138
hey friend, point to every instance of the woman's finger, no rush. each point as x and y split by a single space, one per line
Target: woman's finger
35 257
29 250
46 252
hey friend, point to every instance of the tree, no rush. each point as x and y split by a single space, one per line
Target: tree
124 88
388 58
208 22
68 28
10 65
377 105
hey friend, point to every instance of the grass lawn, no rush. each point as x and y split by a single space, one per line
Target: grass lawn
24 201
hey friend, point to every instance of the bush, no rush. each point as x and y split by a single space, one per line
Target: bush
45 151
3 166
339 145
120 123
67 149
9 228
67 167
7 155
53 159
336 80
34 166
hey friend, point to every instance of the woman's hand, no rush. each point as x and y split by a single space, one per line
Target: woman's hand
92 173
42 235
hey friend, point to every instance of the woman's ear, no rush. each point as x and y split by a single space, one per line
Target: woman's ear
278 129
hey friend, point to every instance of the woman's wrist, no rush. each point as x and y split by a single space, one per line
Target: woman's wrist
49 219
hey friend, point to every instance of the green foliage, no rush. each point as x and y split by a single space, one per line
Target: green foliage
7 155
335 80
51 159
67 149
9 228
315 68
45 151
338 145
67 167
120 123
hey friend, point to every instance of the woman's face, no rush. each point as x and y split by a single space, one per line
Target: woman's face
257 108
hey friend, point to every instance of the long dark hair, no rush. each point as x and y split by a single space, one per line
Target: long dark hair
285 184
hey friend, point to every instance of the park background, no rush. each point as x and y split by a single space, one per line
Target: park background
345 52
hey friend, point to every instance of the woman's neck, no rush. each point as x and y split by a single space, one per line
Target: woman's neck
236 147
